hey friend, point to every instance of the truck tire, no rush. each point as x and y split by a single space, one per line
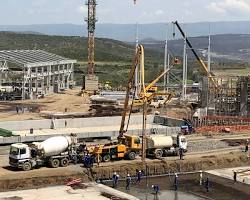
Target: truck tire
64 162
55 163
131 155
158 153
26 166
106 158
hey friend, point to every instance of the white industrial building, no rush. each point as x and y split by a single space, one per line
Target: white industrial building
34 72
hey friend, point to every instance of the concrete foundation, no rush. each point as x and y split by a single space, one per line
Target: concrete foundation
243 174
85 191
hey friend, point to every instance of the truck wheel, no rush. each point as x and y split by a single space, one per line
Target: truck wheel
131 155
64 162
55 163
26 166
158 153
106 158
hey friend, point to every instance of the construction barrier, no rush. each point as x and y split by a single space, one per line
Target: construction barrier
222 124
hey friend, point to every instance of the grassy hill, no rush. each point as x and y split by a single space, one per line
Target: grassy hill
113 58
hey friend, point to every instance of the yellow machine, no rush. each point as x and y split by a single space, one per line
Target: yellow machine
150 92
128 147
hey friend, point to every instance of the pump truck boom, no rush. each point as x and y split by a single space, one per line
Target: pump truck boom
201 62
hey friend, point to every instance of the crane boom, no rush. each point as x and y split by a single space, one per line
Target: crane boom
210 76
158 78
139 55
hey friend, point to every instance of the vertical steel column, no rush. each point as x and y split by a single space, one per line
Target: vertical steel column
165 61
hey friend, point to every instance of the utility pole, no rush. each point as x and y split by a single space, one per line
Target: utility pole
209 52
137 67
184 88
91 81
143 157
166 61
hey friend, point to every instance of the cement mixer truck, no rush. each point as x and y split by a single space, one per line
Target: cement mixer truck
54 152
158 146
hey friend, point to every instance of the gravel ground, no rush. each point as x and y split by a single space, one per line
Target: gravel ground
196 146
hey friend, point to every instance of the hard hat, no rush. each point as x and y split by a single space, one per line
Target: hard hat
128 175
114 173
152 186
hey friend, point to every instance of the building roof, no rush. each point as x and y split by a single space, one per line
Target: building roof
32 57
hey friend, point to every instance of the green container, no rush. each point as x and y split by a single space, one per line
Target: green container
5 133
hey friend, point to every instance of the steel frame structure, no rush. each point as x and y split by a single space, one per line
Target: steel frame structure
41 72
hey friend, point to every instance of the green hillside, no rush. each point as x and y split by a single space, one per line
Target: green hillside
113 57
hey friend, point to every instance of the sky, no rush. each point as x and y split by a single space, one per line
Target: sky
23 12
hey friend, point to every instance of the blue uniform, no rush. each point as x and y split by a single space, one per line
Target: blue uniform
139 175
115 180
128 181
156 188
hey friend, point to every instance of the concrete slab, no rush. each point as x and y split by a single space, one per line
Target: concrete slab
91 192
243 173
82 130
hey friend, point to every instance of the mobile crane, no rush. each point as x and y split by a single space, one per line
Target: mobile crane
200 61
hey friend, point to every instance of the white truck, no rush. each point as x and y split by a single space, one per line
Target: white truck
158 146
54 152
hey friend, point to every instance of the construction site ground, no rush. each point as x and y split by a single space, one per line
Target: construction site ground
71 101
54 103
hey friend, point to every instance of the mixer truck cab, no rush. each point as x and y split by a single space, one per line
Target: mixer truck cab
19 154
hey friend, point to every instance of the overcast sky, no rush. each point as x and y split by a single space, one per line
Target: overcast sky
20 12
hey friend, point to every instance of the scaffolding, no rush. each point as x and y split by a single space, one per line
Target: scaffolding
38 72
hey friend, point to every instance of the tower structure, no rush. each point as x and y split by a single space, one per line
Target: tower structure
91 81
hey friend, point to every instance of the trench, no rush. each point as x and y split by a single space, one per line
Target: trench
34 179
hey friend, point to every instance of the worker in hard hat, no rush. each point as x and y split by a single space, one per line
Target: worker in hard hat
176 182
128 181
139 175
156 189
115 178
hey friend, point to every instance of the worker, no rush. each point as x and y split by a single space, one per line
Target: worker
156 189
17 109
246 146
201 180
235 176
128 181
181 153
176 182
115 179
74 156
207 184
88 161
138 175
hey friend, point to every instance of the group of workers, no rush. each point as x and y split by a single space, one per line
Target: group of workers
128 180
156 188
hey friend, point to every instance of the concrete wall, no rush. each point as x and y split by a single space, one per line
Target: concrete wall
71 123
103 134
